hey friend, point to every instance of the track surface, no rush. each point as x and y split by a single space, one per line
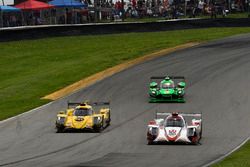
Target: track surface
218 77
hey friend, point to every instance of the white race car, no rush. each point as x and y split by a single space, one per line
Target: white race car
173 128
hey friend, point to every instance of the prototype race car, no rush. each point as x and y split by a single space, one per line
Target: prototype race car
173 128
82 117
167 91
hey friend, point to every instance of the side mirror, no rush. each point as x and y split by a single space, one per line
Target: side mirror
181 84
153 85
61 112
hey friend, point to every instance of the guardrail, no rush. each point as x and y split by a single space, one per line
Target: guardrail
36 32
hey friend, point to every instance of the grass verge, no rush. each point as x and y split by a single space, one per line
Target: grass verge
31 69
238 158
110 71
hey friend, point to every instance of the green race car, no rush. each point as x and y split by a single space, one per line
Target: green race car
166 90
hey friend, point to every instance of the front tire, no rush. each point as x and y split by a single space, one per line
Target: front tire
59 130
195 140
99 128
150 142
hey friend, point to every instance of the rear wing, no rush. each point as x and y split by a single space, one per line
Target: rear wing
165 114
171 77
100 103
74 104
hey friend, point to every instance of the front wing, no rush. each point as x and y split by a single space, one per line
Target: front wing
166 99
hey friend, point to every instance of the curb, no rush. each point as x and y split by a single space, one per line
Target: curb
113 70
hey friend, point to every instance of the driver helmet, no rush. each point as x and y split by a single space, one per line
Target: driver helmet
167 78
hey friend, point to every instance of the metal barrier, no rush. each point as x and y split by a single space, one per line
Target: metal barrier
36 32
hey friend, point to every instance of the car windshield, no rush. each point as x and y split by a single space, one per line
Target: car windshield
174 122
167 85
82 111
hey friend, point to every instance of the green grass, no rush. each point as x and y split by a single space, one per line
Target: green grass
155 19
230 15
144 19
31 69
237 15
239 158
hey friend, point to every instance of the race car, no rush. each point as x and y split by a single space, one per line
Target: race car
173 128
81 116
167 91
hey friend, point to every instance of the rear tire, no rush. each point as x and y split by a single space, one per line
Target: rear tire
108 120
201 132
107 123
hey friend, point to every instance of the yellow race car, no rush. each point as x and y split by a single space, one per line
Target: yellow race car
80 116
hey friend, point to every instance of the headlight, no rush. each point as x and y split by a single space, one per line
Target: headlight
154 131
153 92
60 120
97 120
179 92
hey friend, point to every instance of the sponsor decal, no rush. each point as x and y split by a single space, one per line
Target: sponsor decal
172 132
79 119
172 135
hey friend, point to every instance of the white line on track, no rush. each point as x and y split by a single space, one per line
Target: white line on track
225 155
25 113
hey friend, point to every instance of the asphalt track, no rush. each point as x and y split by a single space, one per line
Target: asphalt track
218 77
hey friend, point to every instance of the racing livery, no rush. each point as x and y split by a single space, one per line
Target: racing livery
167 91
173 128
81 116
